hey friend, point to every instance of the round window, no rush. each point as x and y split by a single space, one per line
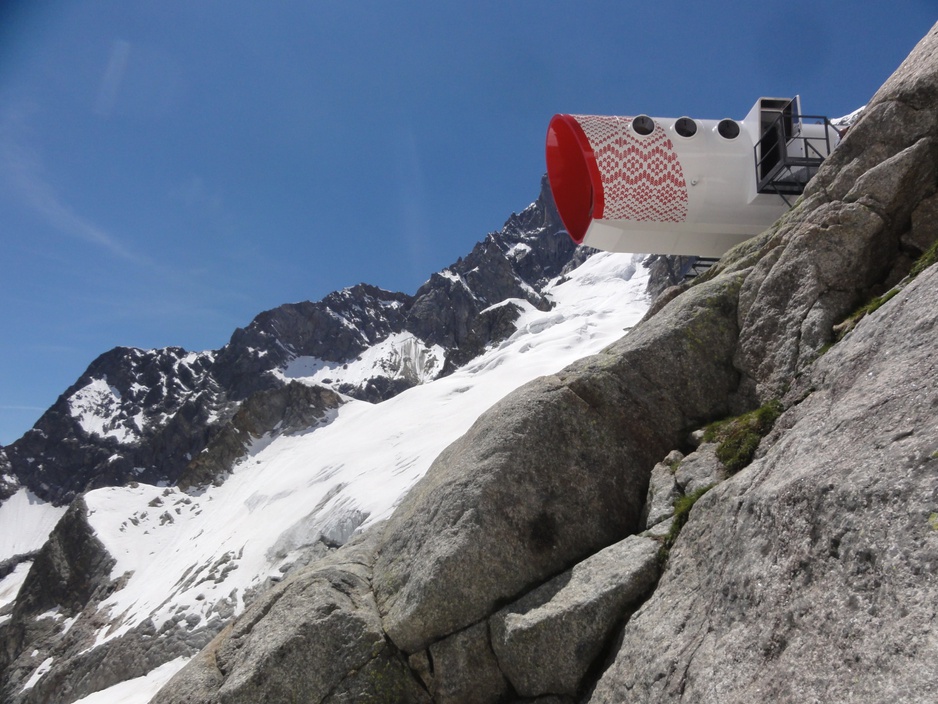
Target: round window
643 125
728 129
685 127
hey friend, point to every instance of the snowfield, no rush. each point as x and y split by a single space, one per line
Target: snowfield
194 557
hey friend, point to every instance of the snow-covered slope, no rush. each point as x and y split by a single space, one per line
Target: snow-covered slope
192 558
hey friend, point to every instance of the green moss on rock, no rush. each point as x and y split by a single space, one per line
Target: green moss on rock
682 507
739 437
926 260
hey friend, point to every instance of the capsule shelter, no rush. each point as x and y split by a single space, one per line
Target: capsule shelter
682 185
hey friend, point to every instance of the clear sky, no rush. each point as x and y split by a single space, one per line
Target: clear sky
171 168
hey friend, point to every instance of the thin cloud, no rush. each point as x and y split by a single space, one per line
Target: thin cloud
196 194
205 201
113 77
22 171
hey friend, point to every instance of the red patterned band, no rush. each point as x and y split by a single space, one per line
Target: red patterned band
599 168
641 175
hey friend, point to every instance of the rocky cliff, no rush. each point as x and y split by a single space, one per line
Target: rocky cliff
585 541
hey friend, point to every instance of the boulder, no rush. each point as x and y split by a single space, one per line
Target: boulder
701 468
315 638
662 491
465 670
546 641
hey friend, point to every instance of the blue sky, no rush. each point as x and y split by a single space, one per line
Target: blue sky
170 169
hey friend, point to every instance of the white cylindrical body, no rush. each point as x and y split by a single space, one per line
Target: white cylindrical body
640 184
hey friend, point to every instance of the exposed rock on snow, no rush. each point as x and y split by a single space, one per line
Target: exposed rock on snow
289 409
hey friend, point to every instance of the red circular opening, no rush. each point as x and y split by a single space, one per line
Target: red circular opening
573 175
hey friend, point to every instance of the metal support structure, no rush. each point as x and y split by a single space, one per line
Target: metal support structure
700 266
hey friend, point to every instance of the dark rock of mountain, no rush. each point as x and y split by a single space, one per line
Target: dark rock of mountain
133 415
7 480
290 408
55 624
803 573
514 263
71 570
336 329
666 271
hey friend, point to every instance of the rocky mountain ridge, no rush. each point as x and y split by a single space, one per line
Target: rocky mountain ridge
144 415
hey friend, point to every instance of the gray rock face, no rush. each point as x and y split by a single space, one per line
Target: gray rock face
810 575
680 476
552 473
546 641
465 670
844 242
662 491
315 638
699 469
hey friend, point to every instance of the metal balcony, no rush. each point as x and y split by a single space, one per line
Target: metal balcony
790 152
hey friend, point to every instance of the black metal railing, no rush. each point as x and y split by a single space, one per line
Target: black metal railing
786 158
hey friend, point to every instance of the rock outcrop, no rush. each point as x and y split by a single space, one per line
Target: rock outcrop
291 408
553 473
807 576
811 575
325 613
546 642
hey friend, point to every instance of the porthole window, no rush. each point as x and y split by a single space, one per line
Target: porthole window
643 125
685 127
728 129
